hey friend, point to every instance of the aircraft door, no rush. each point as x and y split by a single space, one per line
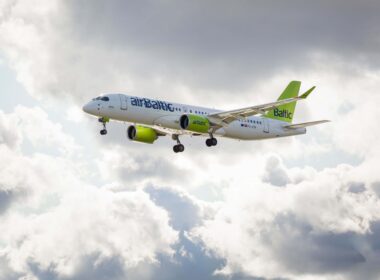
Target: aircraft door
123 102
265 125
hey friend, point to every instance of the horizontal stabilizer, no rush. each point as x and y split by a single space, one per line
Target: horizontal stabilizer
301 125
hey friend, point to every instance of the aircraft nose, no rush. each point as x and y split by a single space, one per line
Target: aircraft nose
88 108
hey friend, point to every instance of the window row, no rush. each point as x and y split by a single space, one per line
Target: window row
251 121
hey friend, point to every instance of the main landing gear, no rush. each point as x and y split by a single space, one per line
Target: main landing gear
104 130
211 141
179 148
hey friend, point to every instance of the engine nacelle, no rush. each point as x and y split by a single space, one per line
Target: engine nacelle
194 123
142 134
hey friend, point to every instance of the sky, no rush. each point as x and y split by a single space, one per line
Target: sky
77 205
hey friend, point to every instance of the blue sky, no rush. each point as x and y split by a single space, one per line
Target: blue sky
75 205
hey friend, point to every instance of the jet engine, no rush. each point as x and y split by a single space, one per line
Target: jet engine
194 123
142 134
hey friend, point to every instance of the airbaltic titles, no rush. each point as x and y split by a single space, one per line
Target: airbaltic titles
153 104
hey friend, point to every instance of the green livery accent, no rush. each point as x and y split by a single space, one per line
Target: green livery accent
195 123
285 112
141 133
306 94
104 119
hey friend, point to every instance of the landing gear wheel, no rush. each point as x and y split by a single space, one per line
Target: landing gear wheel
211 142
103 132
179 148
214 142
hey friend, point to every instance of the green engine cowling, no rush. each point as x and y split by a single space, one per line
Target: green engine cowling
194 123
142 134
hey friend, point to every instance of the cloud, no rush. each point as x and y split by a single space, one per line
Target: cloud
229 45
315 227
275 172
123 225
9 136
73 206
320 217
34 126
55 225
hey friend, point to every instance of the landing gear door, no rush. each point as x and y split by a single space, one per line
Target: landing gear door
123 102
265 125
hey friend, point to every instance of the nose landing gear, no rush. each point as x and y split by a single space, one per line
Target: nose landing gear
103 120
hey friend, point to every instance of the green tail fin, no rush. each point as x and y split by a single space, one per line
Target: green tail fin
285 112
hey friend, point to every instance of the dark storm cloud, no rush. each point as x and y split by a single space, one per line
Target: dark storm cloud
228 44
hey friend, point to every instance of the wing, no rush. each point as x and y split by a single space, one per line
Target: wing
226 117
301 125
163 131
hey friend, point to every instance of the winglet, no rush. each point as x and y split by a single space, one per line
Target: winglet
306 94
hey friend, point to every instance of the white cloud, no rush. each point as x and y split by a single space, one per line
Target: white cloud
8 135
90 222
54 220
275 173
259 223
320 224
34 126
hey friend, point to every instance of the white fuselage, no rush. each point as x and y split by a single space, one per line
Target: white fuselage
166 115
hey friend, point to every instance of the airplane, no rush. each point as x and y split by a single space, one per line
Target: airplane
153 118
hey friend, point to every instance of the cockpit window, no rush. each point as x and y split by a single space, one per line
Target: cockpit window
103 98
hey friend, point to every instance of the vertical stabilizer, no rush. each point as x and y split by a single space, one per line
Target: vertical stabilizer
285 112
